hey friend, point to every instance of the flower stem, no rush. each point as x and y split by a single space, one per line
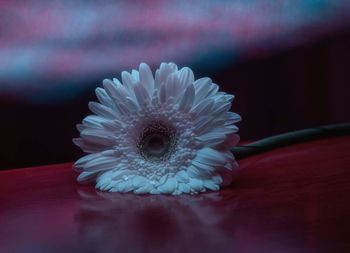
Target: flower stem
280 140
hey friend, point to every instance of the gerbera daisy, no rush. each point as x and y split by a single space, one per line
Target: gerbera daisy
164 134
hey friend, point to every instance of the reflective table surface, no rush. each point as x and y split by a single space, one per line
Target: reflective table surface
293 199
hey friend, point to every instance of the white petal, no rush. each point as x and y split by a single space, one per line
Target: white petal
139 181
200 121
194 172
163 179
86 177
229 98
120 110
155 97
122 174
135 75
157 82
103 184
93 121
103 97
110 88
89 147
132 104
213 90
204 125
204 107
115 91
102 110
127 79
169 186
106 186
184 187
211 185
196 184
146 78
202 87
207 124
182 176
228 129
187 100
228 155
124 186
162 93
222 108
116 81
85 159
101 163
154 191
114 188
97 136
172 86
164 71
80 127
112 125
232 118
210 156
144 189
203 167
141 95
230 141
186 77
212 139
124 109
217 179
173 66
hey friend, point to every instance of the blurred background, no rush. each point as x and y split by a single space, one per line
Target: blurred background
287 62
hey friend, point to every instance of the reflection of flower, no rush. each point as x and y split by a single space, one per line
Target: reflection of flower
129 223
163 134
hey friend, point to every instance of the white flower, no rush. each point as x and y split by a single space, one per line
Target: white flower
164 134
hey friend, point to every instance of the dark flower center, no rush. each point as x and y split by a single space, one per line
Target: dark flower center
157 141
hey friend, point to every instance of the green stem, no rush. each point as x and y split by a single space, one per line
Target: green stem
285 139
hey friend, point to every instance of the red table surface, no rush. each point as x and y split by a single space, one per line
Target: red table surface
293 199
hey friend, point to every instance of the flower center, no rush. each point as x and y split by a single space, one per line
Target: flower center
157 141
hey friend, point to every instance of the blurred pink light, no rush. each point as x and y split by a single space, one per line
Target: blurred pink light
44 40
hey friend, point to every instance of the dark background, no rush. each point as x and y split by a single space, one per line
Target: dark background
280 89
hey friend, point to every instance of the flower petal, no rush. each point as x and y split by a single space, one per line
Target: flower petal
209 184
187 99
184 187
210 156
182 176
196 184
186 77
141 95
212 139
203 108
139 181
146 78
169 186
124 186
164 71
144 189
127 79
100 164
202 86
104 98
102 110
86 177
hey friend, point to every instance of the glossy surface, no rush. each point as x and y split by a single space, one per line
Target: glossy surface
294 199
